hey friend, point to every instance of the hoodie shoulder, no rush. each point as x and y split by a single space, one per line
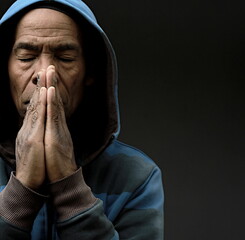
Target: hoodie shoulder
118 148
120 168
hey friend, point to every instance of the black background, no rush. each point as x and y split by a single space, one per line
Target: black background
181 92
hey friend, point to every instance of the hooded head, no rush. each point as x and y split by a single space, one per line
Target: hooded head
94 121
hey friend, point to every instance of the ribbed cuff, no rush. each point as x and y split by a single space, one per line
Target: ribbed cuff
70 196
19 205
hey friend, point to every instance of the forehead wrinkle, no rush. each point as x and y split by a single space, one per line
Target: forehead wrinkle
48 33
65 26
65 46
36 24
56 48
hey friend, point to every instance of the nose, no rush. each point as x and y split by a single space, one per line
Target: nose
43 61
35 80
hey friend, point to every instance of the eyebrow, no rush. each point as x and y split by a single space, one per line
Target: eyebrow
66 46
60 47
27 46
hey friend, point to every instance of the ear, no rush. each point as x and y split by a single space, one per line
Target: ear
89 81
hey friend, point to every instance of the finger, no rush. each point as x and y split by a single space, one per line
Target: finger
40 83
36 113
36 118
50 76
52 81
42 106
53 114
55 110
56 126
52 104
54 100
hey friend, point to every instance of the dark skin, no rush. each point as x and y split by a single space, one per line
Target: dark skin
44 146
47 76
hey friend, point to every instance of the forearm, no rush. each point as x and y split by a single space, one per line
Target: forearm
140 214
80 214
89 224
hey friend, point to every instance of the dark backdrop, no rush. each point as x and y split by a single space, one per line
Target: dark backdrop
181 92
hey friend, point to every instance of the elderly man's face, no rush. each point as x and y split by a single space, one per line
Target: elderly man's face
47 37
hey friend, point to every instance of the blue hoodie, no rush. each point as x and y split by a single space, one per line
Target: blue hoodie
116 193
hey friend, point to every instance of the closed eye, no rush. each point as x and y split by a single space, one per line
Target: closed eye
65 59
26 59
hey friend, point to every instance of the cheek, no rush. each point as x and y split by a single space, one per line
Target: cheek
20 86
76 90
69 78
76 82
14 75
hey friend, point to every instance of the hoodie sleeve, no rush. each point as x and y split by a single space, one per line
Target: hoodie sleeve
19 206
81 215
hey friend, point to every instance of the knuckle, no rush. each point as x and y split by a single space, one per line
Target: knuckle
34 116
33 106
55 118
30 107
29 142
33 112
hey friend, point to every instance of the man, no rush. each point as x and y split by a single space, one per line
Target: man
63 173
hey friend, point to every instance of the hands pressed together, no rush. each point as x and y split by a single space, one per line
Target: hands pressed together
44 148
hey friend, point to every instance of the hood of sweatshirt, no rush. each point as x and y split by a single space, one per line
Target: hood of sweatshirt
96 121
